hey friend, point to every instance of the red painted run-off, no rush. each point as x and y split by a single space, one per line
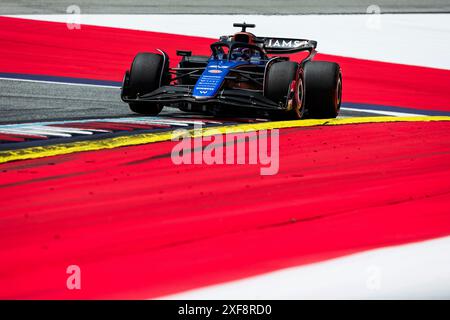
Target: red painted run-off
139 226
48 48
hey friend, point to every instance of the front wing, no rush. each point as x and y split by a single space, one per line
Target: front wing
232 97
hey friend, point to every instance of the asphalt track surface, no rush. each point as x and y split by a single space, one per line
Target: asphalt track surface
27 101
34 101
222 7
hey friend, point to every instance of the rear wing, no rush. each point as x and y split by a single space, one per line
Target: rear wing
287 45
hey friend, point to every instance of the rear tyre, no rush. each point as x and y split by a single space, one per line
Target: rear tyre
280 78
148 72
323 89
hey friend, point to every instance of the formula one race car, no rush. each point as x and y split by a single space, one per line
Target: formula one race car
238 75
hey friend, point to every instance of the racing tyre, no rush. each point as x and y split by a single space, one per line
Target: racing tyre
323 89
278 87
148 72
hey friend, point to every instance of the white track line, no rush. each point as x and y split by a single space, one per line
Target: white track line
22 134
61 83
381 112
59 129
35 132
413 271
75 129
162 121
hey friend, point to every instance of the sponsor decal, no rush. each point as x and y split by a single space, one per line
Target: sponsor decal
219 66
280 43
212 78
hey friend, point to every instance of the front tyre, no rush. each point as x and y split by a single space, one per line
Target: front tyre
148 72
323 89
147 108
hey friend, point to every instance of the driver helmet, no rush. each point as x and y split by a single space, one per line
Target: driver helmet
242 54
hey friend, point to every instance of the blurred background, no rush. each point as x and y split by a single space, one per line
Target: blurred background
222 7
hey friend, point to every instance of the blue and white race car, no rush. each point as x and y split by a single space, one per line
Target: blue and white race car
238 76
